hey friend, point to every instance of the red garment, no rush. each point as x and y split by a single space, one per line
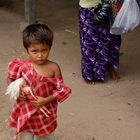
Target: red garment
26 117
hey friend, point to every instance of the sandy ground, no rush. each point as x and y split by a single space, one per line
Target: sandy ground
104 111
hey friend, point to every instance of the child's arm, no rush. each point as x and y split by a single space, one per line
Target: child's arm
41 101
57 71
61 91
9 80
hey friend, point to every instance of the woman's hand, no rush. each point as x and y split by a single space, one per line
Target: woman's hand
39 101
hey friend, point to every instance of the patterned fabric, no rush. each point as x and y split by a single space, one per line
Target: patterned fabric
103 10
115 8
98 47
26 117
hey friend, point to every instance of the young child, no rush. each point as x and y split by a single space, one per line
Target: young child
45 79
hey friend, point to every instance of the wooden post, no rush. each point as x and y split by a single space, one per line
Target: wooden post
5 2
30 11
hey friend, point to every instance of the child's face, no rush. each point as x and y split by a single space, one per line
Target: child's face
38 53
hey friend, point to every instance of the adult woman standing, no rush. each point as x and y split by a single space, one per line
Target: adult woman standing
99 48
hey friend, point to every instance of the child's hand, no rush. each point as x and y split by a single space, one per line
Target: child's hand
22 95
39 101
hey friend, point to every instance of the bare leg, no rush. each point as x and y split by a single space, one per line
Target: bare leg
113 74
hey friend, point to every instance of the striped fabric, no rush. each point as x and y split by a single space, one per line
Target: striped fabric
26 117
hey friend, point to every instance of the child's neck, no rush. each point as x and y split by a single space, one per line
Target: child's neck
44 69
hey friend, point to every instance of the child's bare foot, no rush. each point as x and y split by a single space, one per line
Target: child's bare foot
113 74
89 81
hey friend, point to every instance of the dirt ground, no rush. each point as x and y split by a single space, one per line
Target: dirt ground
104 111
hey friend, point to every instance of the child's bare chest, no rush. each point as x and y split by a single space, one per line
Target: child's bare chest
45 71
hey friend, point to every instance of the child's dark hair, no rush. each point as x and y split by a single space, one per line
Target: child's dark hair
37 34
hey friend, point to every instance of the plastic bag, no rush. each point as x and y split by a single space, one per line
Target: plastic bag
127 18
138 1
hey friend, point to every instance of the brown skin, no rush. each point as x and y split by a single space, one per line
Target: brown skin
113 74
39 53
9 80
